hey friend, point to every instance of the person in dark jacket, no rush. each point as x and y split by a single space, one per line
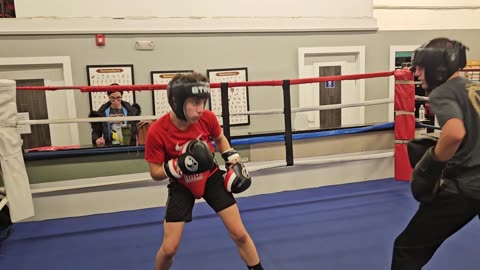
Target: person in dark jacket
111 133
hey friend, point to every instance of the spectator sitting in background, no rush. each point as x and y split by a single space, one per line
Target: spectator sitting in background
110 133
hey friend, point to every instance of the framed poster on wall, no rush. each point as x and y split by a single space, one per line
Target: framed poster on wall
101 75
237 96
472 75
160 101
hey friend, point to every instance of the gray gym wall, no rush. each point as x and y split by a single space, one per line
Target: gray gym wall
268 56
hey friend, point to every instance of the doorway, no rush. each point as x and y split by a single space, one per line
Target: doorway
330 93
34 103
345 92
54 71
352 61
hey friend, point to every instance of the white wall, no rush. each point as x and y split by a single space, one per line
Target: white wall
189 16
192 8
153 16
426 14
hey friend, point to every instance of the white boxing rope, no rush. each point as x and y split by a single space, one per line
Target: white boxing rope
403 113
15 178
153 117
320 161
319 108
86 120
3 202
348 105
91 185
250 166
421 98
345 159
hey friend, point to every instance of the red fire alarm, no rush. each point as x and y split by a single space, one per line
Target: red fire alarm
100 39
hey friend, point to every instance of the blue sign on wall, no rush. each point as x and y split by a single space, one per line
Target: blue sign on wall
330 84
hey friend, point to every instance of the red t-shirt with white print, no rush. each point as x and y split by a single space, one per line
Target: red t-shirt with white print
165 141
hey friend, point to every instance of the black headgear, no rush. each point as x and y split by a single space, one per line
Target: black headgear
439 63
179 91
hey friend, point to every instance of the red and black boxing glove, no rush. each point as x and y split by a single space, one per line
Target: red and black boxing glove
195 158
237 179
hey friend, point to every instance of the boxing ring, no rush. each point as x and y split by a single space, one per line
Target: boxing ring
339 224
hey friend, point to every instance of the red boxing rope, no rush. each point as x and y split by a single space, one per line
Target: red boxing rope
140 87
342 77
404 103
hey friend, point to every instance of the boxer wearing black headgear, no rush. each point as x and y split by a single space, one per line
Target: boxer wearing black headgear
179 147
446 174
178 91
440 58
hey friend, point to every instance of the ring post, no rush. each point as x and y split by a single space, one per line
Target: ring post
287 115
225 110
404 104
15 178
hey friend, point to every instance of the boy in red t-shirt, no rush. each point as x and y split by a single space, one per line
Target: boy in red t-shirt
178 147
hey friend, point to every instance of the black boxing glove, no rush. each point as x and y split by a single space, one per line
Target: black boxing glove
237 179
426 177
195 158
416 148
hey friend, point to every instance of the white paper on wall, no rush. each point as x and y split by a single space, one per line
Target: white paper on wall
107 75
24 129
160 101
237 96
